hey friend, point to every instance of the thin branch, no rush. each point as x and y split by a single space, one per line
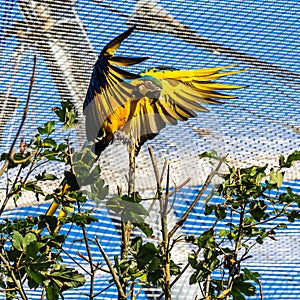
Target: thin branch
187 265
32 79
155 168
179 187
25 112
207 285
15 280
191 207
183 270
260 290
270 219
111 268
92 273
74 260
163 201
103 290
95 265
163 170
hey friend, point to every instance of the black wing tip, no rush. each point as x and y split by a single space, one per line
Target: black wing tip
118 39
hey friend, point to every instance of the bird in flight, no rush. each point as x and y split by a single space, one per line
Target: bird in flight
141 105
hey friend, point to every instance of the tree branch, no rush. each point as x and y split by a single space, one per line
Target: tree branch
205 185
111 268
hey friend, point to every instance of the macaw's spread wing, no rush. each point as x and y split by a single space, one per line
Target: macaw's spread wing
109 86
142 104
181 94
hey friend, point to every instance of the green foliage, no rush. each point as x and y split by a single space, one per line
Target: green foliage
251 200
67 114
146 265
210 261
26 255
35 258
131 209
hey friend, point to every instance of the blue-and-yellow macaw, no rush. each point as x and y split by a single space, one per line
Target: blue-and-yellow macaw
142 104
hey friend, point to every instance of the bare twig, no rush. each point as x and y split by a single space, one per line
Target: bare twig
32 79
166 240
155 168
25 112
96 266
188 211
179 187
126 225
260 290
187 265
15 280
238 242
207 285
163 170
163 201
111 268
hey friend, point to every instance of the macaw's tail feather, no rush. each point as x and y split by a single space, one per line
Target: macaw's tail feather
100 146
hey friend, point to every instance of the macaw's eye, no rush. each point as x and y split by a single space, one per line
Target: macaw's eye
142 89
149 84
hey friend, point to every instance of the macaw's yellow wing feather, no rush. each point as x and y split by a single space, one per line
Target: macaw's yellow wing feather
199 80
189 75
182 94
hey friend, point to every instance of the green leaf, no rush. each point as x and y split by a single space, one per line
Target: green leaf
146 254
36 276
67 278
209 209
29 237
290 160
206 239
136 243
33 187
17 240
145 228
67 114
20 242
81 219
244 287
43 176
276 178
248 275
52 292
220 212
193 260
49 143
47 129
223 232
213 154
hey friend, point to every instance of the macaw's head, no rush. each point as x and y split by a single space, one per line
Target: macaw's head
148 86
